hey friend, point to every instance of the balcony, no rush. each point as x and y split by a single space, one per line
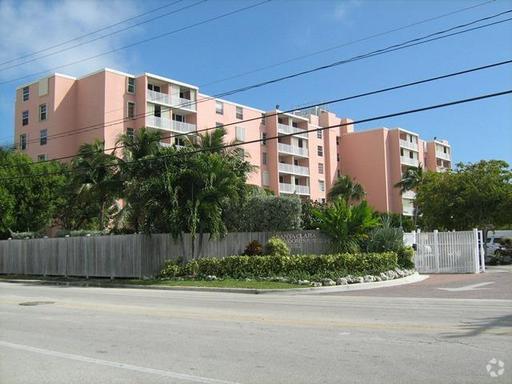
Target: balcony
292 188
293 150
173 101
169 125
288 129
409 195
409 145
408 161
293 169
440 168
442 155
407 210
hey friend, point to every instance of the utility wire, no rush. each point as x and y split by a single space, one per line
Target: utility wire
90 33
107 35
366 120
409 43
142 41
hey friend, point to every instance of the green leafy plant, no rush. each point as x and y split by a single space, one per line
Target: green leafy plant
276 247
348 226
385 238
254 248
405 257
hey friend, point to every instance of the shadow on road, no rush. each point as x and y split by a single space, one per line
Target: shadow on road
501 325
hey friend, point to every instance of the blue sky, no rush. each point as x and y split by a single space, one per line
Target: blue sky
277 31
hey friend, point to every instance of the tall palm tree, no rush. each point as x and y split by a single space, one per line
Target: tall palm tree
346 188
96 175
411 180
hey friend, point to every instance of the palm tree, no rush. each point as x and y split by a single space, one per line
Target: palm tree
411 180
346 188
97 178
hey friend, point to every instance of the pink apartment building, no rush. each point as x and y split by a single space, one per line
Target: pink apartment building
57 114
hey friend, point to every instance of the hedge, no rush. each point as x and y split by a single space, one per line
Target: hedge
296 266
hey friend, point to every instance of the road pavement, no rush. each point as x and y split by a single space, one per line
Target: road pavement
55 334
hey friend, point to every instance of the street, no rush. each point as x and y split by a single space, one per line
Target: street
55 334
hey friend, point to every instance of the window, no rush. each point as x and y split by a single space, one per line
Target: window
219 107
219 125
445 150
43 136
401 151
43 87
153 87
179 141
26 93
131 85
319 134
301 143
239 113
320 151
42 157
266 178
129 133
157 111
295 124
42 112
337 140
131 110
321 185
411 155
23 141
24 118
180 118
320 168
264 138
339 173
240 134
337 157
263 119
264 158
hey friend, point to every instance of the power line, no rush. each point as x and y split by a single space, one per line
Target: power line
108 34
142 41
90 33
391 48
332 101
346 44
366 120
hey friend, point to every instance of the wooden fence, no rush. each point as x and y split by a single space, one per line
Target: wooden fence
132 256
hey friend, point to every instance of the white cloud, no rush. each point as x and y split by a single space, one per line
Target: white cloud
29 26
343 8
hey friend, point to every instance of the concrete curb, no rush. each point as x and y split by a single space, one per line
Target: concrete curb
414 278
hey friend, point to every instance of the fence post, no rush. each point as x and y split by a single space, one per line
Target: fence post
476 261
436 250
482 251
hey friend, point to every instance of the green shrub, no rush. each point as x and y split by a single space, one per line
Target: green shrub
276 247
385 238
296 266
254 248
405 257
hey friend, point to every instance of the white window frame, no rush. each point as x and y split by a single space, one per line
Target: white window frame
264 138
239 133
320 168
42 157
43 136
23 118
128 85
41 112
320 151
25 93
264 158
321 185
130 132
219 107
239 113
128 110
23 142
319 134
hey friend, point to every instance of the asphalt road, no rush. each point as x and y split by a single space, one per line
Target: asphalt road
96 335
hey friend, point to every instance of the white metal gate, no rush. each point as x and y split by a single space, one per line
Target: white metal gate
449 252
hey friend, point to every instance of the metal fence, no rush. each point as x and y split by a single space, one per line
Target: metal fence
133 256
449 252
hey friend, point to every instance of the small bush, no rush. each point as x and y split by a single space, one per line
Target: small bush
405 257
254 248
276 247
295 267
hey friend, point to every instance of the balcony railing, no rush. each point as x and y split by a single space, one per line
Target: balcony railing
287 129
409 195
293 150
174 101
293 169
408 161
292 188
169 125
442 155
409 145
440 168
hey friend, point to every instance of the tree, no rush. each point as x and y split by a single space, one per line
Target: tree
411 180
348 226
473 196
349 190
96 177
30 193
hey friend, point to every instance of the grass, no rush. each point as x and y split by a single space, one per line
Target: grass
226 283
